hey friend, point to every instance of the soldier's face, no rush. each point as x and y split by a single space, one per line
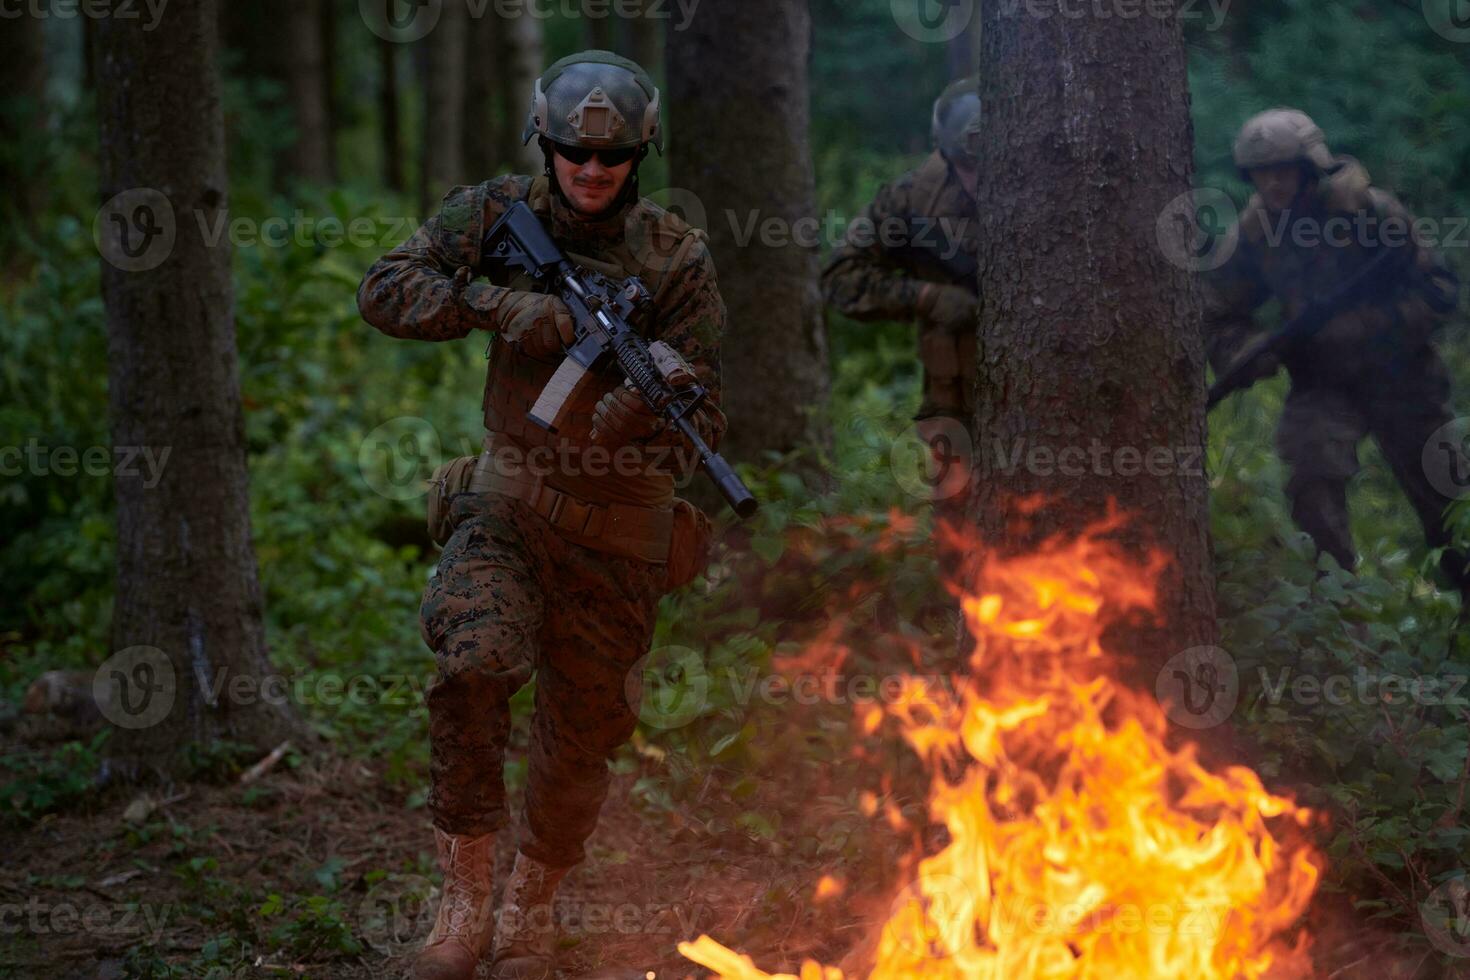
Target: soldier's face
591 186
1278 184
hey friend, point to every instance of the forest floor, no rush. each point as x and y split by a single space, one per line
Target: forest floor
79 894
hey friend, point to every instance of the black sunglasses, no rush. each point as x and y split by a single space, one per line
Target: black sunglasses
610 158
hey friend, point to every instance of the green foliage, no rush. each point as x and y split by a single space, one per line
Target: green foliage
38 783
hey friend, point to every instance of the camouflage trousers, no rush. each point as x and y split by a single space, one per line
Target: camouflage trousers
512 596
1318 436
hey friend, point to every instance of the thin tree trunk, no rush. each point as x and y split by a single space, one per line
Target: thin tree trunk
738 115
444 92
964 50
640 37
520 44
23 115
309 157
331 97
392 136
186 572
479 98
599 32
1089 335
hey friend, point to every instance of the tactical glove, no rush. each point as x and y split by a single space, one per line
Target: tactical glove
951 308
622 417
537 323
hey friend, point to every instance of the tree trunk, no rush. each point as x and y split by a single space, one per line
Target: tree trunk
23 113
599 32
480 159
964 50
520 44
1089 335
186 573
738 114
640 37
331 97
392 135
444 91
309 157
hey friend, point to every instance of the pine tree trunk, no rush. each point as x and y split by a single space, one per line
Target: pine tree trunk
1089 335
22 112
738 115
640 37
186 572
331 96
309 157
444 91
520 43
391 132
479 98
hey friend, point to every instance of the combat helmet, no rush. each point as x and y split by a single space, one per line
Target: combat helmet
1281 136
598 100
956 125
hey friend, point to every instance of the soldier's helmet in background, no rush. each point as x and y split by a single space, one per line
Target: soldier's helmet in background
1281 136
598 100
956 125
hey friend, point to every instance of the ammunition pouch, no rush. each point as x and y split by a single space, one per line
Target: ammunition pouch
689 547
448 480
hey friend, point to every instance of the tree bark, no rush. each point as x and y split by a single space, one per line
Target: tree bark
331 96
738 115
309 156
640 37
391 132
23 112
1089 334
444 104
186 572
480 159
520 42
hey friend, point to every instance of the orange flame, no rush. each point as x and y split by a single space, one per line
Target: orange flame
1080 844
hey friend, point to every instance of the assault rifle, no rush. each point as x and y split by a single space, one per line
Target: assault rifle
1375 277
601 308
928 242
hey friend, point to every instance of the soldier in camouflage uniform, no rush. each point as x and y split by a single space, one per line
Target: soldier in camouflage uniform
1314 220
558 552
910 255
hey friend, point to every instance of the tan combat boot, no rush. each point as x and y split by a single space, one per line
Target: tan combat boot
464 926
525 938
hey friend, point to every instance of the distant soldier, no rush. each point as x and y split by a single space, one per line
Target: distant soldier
1315 221
910 256
554 567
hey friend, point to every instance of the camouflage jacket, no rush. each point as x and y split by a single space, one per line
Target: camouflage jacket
921 228
411 293
1299 258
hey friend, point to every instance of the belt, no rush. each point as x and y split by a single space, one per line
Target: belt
636 532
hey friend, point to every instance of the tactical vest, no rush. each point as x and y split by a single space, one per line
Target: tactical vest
644 241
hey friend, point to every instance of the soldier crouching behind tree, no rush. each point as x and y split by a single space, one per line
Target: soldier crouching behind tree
525 581
910 256
1314 223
